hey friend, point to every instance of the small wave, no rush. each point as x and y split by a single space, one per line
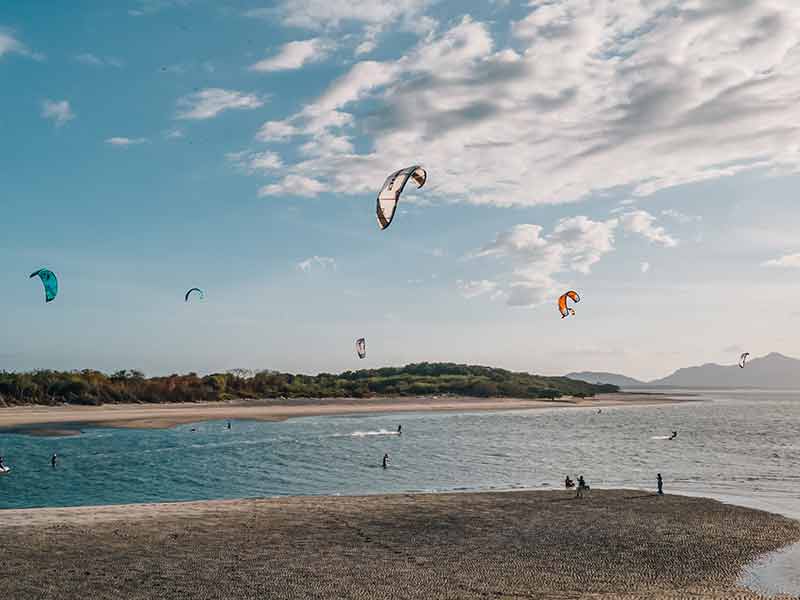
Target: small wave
660 437
366 433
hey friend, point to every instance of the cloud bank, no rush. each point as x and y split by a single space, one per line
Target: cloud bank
585 96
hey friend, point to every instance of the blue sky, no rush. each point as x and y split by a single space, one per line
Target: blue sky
643 153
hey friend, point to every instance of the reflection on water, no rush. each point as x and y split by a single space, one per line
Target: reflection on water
741 444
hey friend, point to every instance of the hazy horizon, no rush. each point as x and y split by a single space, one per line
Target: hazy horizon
643 154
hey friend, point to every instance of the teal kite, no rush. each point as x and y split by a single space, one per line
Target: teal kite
49 281
198 290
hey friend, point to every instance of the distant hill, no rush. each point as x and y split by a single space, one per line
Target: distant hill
773 371
421 379
606 378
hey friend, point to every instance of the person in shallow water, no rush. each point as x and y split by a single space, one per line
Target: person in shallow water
54 460
674 435
582 487
385 458
660 483
568 483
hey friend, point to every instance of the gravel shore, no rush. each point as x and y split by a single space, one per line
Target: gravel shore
610 544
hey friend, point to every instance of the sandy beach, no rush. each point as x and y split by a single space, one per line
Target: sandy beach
66 419
611 544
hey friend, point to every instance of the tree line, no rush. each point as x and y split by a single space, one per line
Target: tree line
89 387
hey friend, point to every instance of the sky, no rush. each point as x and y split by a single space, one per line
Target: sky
642 152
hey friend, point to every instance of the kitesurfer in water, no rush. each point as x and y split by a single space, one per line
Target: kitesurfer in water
229 424
399 430
385 458
2 464
581 487
54 460
660 483
674 435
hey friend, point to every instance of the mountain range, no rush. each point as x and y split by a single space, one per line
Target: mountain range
774 371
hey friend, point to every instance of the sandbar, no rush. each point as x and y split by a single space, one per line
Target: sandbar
615 544
66 419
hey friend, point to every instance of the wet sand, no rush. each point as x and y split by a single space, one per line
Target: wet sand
66 419
611 544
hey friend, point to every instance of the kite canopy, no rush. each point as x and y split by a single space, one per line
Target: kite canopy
49 281
743 359
200 292
361 348
562 303
389 195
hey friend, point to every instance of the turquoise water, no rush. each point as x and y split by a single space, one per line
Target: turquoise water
739 444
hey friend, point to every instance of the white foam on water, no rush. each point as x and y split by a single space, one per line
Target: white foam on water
366 433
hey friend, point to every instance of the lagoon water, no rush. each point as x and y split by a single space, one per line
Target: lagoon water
737 446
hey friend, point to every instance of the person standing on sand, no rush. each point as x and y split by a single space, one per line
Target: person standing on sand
660 485
568 483
385 458
54 460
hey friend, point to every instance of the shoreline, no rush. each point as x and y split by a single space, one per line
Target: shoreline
68 420
613 544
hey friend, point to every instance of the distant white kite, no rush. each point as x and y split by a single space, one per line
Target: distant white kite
389 195
361 348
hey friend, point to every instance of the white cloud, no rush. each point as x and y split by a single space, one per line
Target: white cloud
575 245
296 54
789 260
317 262
473 289
587 96
87 58
59 111
209 102
272 131
370 40
9 44
320 14
643 223
681 217
124 142
293 185
645 267
253 162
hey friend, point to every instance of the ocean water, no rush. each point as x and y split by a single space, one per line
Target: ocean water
737 446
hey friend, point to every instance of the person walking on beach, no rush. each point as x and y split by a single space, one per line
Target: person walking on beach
54 460
660 483
385 458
